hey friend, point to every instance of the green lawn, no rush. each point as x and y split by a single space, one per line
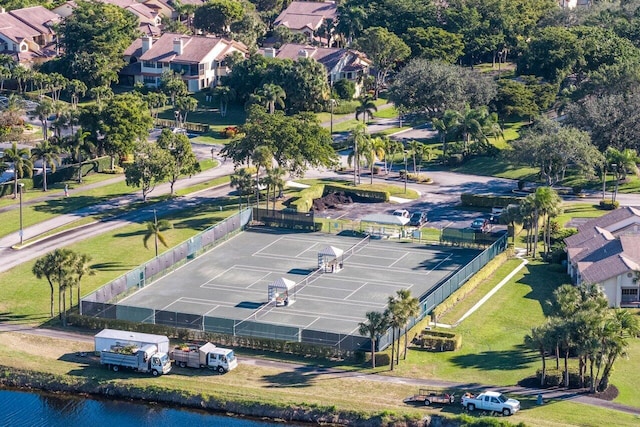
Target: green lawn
579 210
386 113
27 298
492 351
210 115
497 166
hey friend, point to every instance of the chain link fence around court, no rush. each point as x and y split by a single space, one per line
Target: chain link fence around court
440 292
102 302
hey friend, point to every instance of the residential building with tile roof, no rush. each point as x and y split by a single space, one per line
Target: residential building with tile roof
606 252
307 17
28 34
199 59
340 63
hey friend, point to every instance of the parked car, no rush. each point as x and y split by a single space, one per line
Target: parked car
481 224
418 219
401 212
490 401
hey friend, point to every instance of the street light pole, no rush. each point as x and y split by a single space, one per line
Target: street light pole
614 169
21 186
405 171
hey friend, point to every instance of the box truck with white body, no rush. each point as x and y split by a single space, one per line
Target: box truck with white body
108 338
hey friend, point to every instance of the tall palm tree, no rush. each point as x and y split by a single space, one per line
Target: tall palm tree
359 139
470 124
366 108
411 308
619 326
417 152
392 149
621 162
155 229
546 203
55 267
376 324
78 144
444 126
49 153
22 164
272 95
538 340
225 94
275 180
395 314
372 151
242 180
80 268
262 157
42 112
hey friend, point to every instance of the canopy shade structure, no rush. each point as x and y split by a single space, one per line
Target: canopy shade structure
330 259
279 293
386 219
331 251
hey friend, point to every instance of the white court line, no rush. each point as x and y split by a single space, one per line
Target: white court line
355 280
363 285
309 324
398 260
335 301
256 281
270 244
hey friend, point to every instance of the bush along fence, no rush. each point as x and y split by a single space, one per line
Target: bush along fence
488 201
438 341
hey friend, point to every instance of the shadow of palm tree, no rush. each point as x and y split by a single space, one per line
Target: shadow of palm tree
509 360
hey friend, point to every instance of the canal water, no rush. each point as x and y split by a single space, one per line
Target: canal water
30 409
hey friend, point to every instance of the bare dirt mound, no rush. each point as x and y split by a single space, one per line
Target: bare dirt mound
331 201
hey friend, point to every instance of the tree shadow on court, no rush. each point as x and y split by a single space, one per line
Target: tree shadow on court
450 259
508 360
543 279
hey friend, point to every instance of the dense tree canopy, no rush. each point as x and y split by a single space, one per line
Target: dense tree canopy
93 39
124 120
216 16
433 88
296 142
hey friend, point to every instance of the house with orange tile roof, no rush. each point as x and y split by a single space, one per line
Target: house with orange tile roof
200 60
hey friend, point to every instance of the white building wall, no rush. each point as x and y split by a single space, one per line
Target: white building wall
612 291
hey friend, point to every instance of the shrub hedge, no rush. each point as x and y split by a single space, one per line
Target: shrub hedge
304 202
438 341
374 195
608 205
488 201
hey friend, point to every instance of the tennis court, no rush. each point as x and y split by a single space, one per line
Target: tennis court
231 281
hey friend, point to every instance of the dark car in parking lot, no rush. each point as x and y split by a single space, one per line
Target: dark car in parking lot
481 224
418 219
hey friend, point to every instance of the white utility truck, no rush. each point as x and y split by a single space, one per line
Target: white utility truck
144 359
108 338
491 401
207 355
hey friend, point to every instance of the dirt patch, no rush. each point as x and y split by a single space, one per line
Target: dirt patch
609 394
332 201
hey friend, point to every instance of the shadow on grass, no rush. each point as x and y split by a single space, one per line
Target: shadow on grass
70 204
509 360
12 317
112 266
543 279
302 376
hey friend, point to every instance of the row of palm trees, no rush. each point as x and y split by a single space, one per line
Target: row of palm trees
470 124
64 270
535 209
401 309
581 324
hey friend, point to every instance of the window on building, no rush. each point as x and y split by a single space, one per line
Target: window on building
201 69
149 80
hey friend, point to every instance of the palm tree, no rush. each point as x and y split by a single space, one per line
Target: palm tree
444 126
80 268
79 144
155 229
50 155
547 203
225 94
393 148
55 268
376 324
621 163
275 180
262 157
538 340
527 215
618 327
22 164
417 152
470 124
411 308
76 89
511 216
395 314
272 95
184 104
374 149
42 112
359 138
242 180
366 108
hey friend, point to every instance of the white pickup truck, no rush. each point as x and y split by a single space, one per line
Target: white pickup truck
490 401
